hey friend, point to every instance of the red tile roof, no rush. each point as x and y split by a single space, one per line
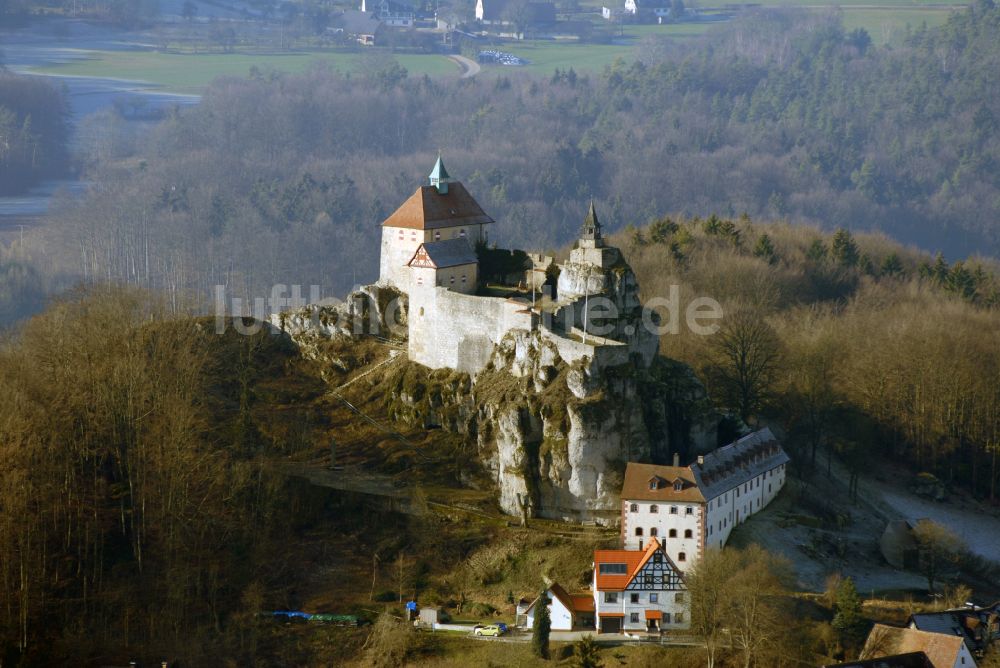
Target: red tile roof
583 602
427 209
634 560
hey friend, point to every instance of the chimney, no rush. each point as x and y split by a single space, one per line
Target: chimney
701 460
677 459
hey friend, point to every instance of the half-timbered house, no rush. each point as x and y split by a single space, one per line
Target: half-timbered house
638 590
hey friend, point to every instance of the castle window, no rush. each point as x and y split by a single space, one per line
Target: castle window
453 280
654 508
421 310
688 533
678 486
634 508
673 510
673 533
689 510
463 278
638 531
437 236
420 280
653 531
681 556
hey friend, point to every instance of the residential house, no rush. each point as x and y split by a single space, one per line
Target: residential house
942 650
689 508
566 611
658 8
362 27
393 13
638 590
502 12
911 660
977 626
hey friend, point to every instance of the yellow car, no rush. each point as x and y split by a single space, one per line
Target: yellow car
491 630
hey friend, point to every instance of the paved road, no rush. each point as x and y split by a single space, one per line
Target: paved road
470 68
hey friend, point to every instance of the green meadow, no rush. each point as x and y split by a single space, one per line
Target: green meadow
192 72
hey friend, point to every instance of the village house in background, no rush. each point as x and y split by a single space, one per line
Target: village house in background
639 590
689 508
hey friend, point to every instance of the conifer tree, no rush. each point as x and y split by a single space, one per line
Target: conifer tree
848 618
541 627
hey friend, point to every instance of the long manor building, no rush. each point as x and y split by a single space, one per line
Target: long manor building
690 508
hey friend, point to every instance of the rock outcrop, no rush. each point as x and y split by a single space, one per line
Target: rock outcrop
554 435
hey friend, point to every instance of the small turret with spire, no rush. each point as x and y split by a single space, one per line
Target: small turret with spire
590 233
439 176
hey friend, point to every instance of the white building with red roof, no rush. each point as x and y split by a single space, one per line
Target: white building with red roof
638 590
689 508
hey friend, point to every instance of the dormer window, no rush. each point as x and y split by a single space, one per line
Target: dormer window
678 485
652 484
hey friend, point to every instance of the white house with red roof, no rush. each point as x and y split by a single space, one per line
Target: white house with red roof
689 508
638 590
567 612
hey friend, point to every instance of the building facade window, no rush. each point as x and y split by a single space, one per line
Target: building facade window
673 533
689 510
673 510
653 531
681 556
688 533
633 598
654 598
610 597
634 618
634 508
638 531
654 508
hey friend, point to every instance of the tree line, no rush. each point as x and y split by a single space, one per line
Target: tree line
33 132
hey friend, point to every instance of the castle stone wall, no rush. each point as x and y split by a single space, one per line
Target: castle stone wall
457 331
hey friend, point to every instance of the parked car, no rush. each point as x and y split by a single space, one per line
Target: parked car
503 628
493 630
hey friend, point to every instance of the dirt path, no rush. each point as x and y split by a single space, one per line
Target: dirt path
470 68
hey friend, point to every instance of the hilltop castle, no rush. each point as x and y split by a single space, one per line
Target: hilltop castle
432 250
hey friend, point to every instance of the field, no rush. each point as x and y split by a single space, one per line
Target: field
192 72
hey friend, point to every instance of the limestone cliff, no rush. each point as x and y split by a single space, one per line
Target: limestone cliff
552 433
557 435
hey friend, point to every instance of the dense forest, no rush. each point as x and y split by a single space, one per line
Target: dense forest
33 132
855 346
277 178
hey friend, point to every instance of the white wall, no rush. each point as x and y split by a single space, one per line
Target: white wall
718 517
687 518
668 603
560 617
